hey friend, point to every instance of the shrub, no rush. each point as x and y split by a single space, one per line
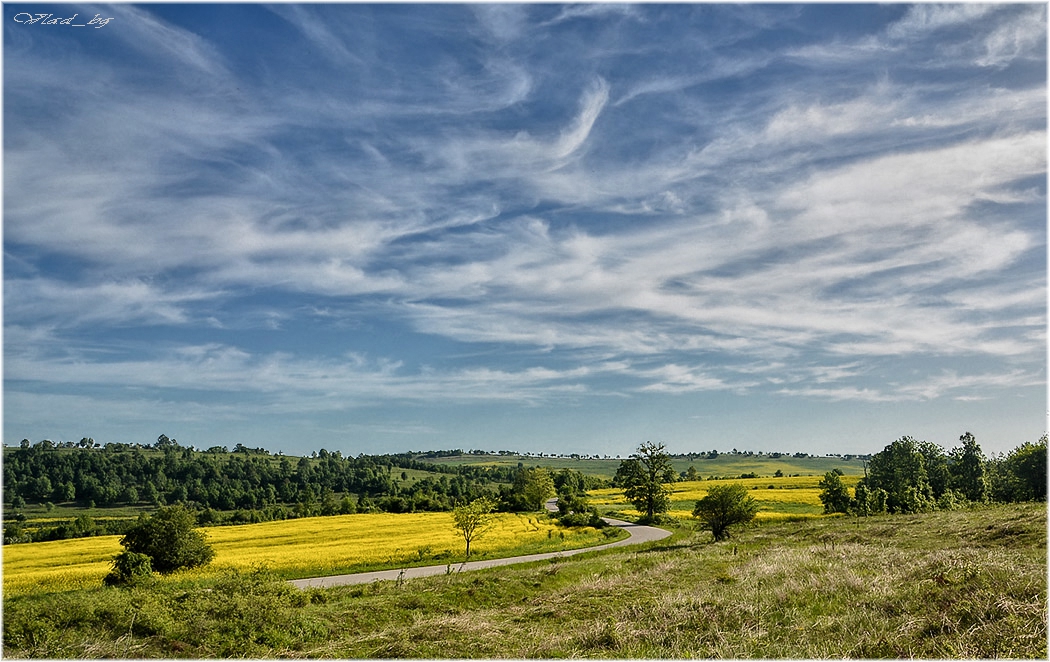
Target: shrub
168 538
129 569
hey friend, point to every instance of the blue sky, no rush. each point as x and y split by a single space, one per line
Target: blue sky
552 228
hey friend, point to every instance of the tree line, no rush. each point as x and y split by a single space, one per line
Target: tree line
911 476
247 485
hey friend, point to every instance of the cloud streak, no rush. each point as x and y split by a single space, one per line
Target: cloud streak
531 205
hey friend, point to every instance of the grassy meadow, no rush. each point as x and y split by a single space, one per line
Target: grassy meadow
306 547
960 584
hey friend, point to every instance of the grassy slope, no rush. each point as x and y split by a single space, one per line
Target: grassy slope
964 584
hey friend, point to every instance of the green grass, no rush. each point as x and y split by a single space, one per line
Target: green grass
962 584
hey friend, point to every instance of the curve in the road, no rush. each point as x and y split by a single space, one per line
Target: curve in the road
636 534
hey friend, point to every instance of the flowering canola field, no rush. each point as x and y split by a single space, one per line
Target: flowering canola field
300 547
789 497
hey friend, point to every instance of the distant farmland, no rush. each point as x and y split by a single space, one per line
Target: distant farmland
726 465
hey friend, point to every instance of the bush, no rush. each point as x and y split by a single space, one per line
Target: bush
130 569
168 538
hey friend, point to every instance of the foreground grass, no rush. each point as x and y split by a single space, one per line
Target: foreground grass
965 584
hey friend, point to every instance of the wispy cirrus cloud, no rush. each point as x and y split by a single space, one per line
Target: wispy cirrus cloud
739 207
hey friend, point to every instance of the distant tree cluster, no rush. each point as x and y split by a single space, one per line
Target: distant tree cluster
911 476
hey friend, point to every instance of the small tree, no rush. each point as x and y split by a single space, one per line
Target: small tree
473 520
536 487
642 478
833 494
169 539
725 506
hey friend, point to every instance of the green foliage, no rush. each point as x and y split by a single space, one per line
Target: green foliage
900 470
569 481
642 477
243 614
169 539
473 520
576 511
967 469
247 479
725 506
535 486
867 501
129 569
935 462
834 495
1021 475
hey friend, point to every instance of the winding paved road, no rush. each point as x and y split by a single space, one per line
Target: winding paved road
637 534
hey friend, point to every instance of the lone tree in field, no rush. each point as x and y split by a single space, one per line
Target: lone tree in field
642 477
834 494
725 506
169 539
473 520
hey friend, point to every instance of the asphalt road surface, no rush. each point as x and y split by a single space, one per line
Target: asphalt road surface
637 534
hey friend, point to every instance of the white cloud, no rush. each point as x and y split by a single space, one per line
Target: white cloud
1016 38
806 230
922 19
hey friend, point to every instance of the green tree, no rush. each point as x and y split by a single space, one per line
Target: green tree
642 478
725 506
473 520
569 481
900 470
967 469
537 487
935 461
1021 475
833 494
170 540
861 503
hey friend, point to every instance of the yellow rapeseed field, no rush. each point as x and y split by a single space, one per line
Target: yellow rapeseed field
299 547
59 565
789 497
